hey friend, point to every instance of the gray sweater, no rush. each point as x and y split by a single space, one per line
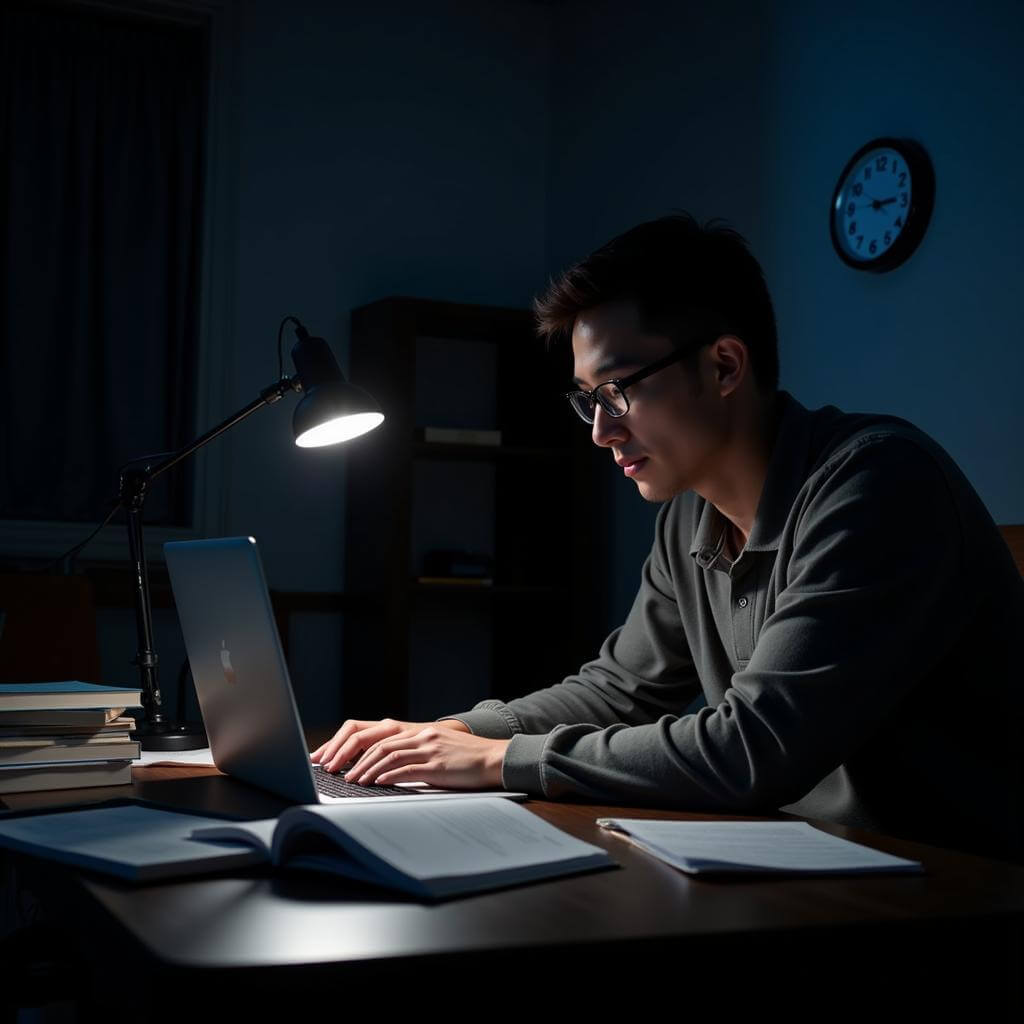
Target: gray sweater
858 657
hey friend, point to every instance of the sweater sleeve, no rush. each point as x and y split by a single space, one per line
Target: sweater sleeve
643 671
866 610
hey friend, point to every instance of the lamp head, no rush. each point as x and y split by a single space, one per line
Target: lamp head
331 410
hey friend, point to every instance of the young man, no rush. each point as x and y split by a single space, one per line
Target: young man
830 582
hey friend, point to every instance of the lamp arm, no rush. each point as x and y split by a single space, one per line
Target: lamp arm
268 396
133 487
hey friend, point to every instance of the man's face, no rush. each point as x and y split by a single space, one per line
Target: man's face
669 440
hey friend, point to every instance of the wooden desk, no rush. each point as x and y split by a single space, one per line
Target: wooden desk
275 944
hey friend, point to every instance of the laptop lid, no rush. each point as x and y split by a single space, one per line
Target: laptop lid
238 665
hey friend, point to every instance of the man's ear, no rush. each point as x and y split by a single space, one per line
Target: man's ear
731 362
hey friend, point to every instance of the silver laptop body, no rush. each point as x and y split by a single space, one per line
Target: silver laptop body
241 676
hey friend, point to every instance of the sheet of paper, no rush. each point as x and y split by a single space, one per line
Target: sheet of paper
696 846
203 757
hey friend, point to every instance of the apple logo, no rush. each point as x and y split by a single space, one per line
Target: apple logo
225 660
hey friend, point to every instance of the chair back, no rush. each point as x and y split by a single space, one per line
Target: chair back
1014 537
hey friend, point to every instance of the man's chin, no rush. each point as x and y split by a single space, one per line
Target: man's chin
657 490
650 492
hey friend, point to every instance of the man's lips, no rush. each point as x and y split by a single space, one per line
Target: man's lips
632 465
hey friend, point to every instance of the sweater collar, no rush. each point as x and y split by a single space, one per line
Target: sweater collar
787 470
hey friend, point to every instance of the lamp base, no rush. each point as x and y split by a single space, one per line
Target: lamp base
170 736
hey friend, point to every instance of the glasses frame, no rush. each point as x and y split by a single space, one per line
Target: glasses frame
594 395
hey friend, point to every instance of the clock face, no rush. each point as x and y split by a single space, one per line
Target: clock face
873 204
882 204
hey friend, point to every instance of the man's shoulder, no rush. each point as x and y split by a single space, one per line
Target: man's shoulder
879 445
834 435
843 468
868 470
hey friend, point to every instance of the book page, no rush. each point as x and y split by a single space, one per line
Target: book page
254 833
454 837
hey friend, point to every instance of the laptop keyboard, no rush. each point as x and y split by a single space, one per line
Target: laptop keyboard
331 784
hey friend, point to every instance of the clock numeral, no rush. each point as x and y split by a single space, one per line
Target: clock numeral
858 189
873 247
853 227
881 162
888 238
860 239
851 209
895 165
903 199
898 222
867 173
903 179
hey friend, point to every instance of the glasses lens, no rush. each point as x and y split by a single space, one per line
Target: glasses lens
612 400
583 405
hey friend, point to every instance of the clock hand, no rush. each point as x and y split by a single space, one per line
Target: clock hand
881 204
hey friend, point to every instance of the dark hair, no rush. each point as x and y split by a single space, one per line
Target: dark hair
684 279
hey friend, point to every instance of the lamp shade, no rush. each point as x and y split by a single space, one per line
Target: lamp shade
331 409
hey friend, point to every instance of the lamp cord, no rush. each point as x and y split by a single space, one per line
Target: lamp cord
280 332
73 552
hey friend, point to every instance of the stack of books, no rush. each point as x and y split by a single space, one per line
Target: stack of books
65 735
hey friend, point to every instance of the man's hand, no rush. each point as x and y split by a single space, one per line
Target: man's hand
432 753
356 737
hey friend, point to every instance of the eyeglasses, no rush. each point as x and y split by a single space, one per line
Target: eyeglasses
611 395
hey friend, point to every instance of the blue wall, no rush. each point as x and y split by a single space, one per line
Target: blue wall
749 111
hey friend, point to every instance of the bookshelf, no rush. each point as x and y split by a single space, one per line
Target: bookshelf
529 504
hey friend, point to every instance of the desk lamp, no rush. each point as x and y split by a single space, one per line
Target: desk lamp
331 410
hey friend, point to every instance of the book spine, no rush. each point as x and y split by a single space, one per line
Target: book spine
32 780
55 753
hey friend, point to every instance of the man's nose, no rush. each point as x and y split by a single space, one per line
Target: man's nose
607 430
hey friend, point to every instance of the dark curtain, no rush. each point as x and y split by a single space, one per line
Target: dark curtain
102 121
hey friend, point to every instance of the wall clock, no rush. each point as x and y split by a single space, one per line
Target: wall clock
882 204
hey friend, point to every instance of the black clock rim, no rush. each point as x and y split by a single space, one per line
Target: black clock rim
918 216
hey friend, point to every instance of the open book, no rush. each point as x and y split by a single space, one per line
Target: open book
431 848
428 848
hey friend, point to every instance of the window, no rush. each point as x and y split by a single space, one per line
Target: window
103 119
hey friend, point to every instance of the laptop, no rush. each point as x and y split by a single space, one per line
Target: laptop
242 681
